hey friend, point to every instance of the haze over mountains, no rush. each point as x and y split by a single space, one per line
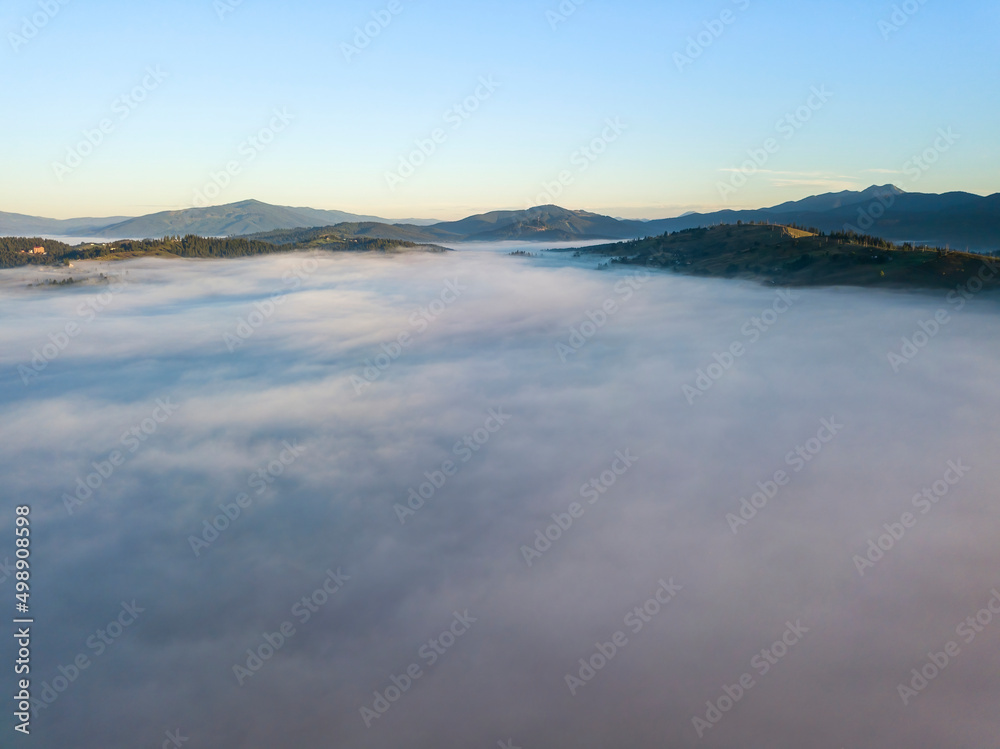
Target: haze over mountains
17 224
959 219
233 219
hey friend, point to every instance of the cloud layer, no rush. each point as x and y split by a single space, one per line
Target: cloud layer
313 430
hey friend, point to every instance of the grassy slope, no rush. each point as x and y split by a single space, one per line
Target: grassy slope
785 256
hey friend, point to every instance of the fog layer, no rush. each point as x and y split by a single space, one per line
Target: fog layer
485 464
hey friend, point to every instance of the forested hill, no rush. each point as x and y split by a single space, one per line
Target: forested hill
792 256
342 237
15 251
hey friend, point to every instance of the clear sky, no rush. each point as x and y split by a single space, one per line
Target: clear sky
556 78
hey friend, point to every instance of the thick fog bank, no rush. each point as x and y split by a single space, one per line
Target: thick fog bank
468 498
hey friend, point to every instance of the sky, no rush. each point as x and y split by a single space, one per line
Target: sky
509 102
250 378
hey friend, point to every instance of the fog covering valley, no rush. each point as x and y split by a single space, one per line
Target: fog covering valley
269 418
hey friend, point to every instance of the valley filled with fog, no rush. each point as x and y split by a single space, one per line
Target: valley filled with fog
451 499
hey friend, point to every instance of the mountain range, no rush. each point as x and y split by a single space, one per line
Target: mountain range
958 219
234 219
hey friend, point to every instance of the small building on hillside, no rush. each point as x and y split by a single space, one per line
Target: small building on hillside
38 251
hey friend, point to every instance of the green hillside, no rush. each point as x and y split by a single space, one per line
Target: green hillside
191 247
789 256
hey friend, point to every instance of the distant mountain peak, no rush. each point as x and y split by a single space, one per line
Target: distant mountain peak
882 189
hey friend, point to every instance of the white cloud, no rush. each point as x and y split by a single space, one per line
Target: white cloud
496 347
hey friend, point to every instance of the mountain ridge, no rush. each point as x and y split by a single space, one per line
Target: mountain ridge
231 219
958 219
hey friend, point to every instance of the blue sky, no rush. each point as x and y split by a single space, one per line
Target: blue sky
355 123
